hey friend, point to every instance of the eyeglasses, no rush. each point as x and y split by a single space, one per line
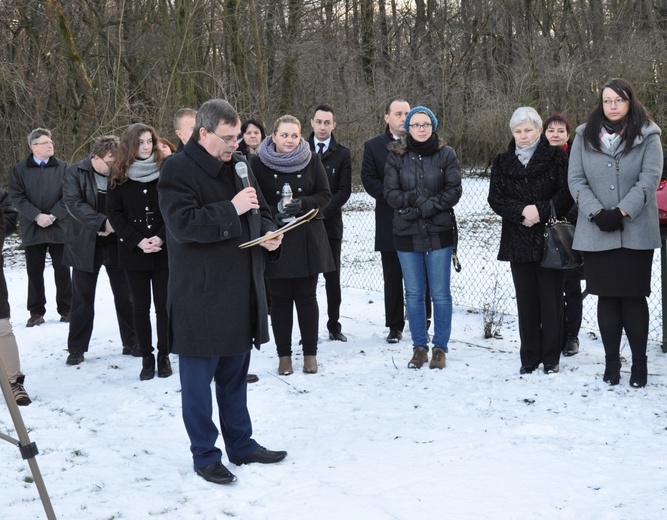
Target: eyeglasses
424 126
614 102
228 143
43 143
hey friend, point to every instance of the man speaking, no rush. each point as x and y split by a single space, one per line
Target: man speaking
216 300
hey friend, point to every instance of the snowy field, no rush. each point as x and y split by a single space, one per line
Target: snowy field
367 437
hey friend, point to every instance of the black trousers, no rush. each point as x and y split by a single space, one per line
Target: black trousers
35 260
394 314
573 301
84 285
539 301
332 285
285 293
140 286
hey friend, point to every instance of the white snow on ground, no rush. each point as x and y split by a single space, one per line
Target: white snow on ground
367 437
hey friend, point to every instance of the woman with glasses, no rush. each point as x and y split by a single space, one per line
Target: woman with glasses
423 184
525 180
133 211
286 162
615 169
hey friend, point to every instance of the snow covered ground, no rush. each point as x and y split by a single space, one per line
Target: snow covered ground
367 437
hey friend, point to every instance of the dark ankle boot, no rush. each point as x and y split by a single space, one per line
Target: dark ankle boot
148 368
638 372
612 371
163 365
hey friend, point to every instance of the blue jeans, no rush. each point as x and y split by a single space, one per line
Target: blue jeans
416 267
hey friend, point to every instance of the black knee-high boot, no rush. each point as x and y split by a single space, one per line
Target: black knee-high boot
635 323
611 328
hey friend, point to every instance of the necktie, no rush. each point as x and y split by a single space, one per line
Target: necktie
320 148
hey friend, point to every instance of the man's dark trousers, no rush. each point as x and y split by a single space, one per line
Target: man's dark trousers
229 373
84 285
35 261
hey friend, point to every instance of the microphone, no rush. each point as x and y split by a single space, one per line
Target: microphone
242 172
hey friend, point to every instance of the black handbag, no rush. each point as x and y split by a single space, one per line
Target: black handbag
557 252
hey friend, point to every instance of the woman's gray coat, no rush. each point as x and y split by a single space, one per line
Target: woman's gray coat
598 180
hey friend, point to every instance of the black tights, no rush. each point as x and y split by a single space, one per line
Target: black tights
629 313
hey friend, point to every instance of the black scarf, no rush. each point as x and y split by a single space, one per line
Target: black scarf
428 147
614 128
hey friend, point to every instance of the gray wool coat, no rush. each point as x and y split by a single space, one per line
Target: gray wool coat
628 181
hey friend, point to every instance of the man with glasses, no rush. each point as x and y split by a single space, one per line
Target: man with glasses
216 299
35 187
92 243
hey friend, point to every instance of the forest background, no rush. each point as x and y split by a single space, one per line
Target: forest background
84 68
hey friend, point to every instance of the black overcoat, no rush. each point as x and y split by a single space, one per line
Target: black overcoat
337 164
514 186
306 249
134 213
372 177
81 199
8 217
216 299
36 189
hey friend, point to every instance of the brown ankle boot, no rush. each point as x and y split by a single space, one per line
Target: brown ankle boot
438 359
285 365
419 357
310 364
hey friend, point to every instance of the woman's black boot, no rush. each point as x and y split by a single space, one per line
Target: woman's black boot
639 372
612 370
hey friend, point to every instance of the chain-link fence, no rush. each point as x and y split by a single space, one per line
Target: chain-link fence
483 281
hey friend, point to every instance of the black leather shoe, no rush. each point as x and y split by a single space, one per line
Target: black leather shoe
551 369
571 346
527 369
394 336
132 350
262 456
337 336
35 319
64 318
147 368
75 358
163 365
216 473
252 378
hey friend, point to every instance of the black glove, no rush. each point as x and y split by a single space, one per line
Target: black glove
410 213
412 198
293 208
609 219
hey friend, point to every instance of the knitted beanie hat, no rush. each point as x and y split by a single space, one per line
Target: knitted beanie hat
420 110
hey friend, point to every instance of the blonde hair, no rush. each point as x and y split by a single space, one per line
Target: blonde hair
286 119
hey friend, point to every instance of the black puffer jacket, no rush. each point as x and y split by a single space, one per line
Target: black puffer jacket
515 186
422 190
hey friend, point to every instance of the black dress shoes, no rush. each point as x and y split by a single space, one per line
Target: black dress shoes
394 336
75 358
262 456
551 369
216 473
527 369
251 378
571 346
337 336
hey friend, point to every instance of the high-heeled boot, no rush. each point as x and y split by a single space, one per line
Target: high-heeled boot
639 371
612 370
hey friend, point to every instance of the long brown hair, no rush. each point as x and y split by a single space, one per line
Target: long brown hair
127 152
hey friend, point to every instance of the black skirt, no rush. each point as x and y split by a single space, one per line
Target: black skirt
618 272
